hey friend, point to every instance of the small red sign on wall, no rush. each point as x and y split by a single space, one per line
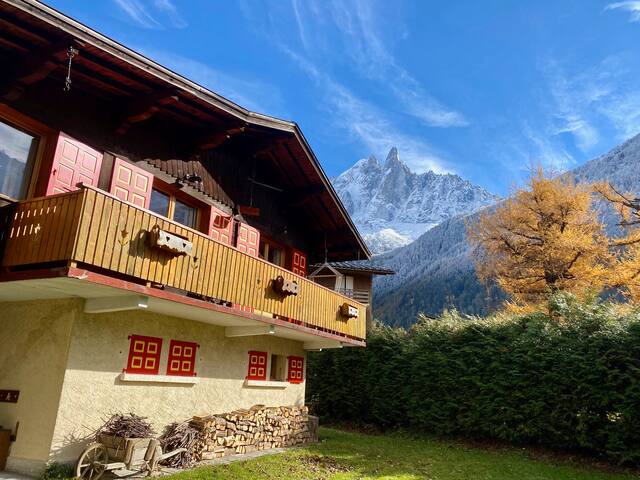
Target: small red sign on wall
9 396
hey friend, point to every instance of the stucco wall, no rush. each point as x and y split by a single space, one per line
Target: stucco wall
35 338
98 352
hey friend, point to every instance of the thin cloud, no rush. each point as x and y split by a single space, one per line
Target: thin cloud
145 14
633 7
368 124
358 24
251 94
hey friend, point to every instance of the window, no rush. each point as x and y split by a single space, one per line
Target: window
272 252
144 355
296 370
257 366
278 368
169 206
159 202
17 155
184 214
182 358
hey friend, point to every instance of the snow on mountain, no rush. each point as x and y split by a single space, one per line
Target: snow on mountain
392 206
436 271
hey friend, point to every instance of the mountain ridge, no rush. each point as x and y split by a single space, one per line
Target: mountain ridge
392 206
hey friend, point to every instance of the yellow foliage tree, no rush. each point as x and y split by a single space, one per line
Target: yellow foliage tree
543 239
625 272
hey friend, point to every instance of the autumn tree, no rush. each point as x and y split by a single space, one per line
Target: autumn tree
542 239
625 272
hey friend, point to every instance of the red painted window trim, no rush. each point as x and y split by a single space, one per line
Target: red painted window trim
182 358
144 355
257 366
295 369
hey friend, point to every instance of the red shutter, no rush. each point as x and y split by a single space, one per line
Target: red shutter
73 162
220 226
144 355
182 358
257 366
248 239
130 183
295 369
298 263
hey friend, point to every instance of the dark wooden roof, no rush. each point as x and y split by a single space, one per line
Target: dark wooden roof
34 39
357 266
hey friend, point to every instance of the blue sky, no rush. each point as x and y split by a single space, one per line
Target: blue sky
481 89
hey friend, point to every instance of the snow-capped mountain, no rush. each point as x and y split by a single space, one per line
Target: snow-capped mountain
436 271
392 206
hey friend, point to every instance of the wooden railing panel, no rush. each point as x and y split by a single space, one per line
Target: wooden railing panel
95 228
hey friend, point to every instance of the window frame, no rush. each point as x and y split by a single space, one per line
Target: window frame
184 198
44 150
266 243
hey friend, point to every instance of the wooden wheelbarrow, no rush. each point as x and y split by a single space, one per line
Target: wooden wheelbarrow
121 456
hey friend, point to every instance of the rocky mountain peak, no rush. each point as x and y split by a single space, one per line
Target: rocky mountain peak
391 205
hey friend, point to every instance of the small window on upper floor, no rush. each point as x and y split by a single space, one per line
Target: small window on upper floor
17 155
169 206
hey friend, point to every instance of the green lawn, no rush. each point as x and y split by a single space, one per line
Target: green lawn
345 455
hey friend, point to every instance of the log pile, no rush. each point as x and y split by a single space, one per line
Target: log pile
258 428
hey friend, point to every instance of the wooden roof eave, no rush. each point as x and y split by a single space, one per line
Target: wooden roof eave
83 33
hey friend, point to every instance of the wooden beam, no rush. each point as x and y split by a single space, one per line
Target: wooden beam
144 108
249 331
115 304
216 139
35 67
300 196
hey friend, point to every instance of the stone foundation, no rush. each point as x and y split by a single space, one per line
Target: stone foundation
259 428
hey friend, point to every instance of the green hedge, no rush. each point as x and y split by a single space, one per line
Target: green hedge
571 382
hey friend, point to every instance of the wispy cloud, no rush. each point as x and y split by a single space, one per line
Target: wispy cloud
247 92
632 6
146 14
368 124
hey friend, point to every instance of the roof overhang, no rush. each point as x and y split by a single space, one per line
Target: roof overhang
145 67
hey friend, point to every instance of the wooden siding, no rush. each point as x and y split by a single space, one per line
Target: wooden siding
98 230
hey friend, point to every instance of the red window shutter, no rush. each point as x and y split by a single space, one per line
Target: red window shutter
130 183
248 239
220 226
144 355
257 366
73 162
298 263
295 370
182 358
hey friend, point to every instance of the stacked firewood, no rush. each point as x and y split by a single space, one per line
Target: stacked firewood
245 431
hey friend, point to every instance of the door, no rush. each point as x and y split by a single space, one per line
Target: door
298 263
248 239
220 226
130 183
73 163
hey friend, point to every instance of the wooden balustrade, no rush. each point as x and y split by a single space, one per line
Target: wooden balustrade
96 229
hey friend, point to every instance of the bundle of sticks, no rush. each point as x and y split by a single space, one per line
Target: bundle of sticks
180 435
126 426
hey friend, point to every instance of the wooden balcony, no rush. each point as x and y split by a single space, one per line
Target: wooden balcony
100 232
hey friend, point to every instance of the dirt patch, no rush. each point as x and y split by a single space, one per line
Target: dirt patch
324 463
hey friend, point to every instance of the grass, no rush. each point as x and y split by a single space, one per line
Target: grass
346 455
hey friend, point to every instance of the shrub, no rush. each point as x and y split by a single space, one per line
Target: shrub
569 381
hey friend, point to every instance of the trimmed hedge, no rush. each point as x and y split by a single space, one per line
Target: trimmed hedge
569 383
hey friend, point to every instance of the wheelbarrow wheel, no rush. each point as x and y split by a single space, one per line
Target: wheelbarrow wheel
92 462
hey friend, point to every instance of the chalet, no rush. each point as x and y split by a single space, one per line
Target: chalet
155 242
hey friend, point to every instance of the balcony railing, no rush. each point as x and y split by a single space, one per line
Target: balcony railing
361 296
95 229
